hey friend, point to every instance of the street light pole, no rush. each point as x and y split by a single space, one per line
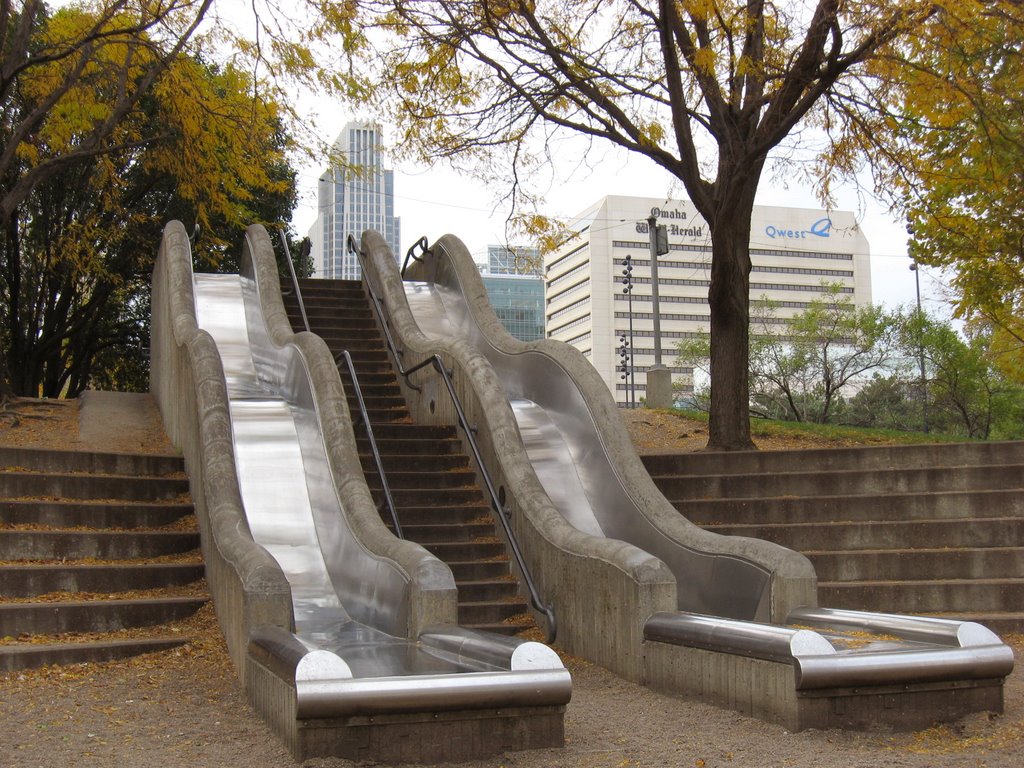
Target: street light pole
626 348
920 347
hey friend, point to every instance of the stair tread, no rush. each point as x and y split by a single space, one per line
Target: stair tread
858 523
922 582
909 550
61 604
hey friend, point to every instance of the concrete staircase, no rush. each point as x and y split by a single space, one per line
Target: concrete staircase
926 529
433 486
98 556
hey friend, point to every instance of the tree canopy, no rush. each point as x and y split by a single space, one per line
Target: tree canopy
964 109
203 143
707 89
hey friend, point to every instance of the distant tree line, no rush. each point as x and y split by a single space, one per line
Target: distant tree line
836 363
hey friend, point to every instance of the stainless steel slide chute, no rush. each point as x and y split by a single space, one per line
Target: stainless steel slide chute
354 647
744 629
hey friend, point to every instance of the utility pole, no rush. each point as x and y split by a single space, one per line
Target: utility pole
626 342
920 347
659 378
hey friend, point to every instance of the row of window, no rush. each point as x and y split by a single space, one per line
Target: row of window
753 286
566 275
565 310
646 246
695 318
572 324
569 291
644 298
756 268
567 255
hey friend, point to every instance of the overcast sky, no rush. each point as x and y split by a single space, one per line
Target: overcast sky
436 201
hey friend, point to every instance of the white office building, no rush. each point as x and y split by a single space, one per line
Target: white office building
793 250
351 199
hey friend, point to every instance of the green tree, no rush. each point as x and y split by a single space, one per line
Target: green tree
707 89
800 367
76 273
967 393
964 119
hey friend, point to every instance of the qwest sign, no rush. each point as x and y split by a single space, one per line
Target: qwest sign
820 228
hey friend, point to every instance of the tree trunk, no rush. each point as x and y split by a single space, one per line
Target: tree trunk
729 294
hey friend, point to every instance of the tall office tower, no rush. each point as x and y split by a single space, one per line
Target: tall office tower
352 199
796 253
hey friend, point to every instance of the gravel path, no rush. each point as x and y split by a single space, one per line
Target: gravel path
184 707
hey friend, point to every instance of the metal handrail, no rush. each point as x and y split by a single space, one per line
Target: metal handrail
388 499
378 461
422 244
295 279
502 513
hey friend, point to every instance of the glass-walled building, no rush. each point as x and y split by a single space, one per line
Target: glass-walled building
794 252
518 301
355 195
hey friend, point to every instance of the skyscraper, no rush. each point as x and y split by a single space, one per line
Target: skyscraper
352 196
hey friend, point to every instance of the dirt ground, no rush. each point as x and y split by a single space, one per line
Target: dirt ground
184 707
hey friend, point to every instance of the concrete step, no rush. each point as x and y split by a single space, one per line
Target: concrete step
58 513
842 482
910 534
19 656
441 497
860 458
488 590
415 433
925 596
15 484
466 550
450 533
445 515
415 462
472 614
1001 622
451 478
511 626
478 570
375 402
898 564
48 460
961 505
102 545
57 618
34 579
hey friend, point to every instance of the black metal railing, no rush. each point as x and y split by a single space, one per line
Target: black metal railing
501 511
364 415
422 244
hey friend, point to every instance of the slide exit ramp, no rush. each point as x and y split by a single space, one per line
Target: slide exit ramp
636 587
344 635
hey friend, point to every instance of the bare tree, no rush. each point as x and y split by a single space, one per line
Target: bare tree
705 89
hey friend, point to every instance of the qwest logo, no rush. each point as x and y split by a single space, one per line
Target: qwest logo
820 228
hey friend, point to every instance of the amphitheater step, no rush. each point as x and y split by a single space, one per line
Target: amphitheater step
93 615
94 544
19 656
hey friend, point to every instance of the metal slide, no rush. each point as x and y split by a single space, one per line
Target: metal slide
348 653
722 599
